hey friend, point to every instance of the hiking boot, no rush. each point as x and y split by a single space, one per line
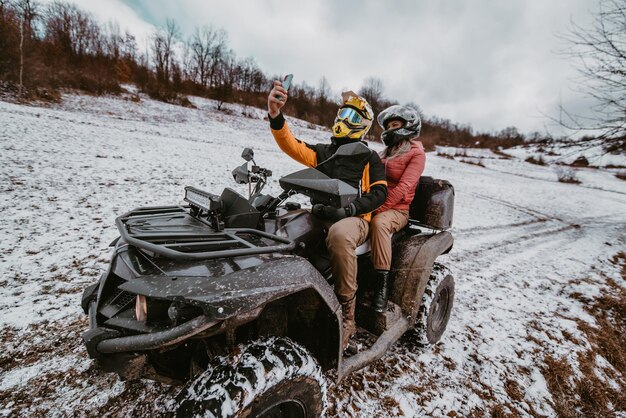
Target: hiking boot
381 292
348 325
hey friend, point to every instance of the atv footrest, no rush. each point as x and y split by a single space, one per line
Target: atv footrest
376 351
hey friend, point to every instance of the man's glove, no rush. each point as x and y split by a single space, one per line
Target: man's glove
332 213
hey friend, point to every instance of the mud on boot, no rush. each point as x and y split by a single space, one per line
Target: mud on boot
348 325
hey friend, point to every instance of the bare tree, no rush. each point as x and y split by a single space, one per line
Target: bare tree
72 30
225 78
28 11
323 92
201 46
172 34
159 55
163 41
188 69
259 80
507 133
372 91
600 55
218 55
9 40
324 106
129 46
114 40
249 77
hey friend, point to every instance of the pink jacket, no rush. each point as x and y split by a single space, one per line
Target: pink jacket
403 173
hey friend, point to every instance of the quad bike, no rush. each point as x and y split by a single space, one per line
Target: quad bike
233 297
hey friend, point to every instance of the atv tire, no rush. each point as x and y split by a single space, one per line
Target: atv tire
434 313
267 378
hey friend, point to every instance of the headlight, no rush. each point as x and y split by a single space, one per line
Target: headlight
156 311
141 308
203 200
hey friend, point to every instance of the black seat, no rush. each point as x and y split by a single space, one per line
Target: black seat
433 204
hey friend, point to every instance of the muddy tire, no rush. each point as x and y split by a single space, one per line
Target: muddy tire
270 378
436 306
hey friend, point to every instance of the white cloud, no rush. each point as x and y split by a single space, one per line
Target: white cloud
106 11
491 64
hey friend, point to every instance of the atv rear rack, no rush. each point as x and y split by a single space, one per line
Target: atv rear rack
171 231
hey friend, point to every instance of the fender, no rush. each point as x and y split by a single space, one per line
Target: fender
412 267
243 291
240 291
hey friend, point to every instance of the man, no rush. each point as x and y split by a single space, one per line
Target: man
351 224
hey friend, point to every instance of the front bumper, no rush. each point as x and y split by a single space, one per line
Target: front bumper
102 340
128 355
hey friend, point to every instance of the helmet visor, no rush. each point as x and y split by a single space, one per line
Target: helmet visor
349 115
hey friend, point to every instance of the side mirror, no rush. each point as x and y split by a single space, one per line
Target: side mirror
247 154
240 174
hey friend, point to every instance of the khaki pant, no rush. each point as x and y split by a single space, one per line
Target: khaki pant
382 227
343 238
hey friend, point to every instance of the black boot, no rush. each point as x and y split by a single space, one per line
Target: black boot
379 303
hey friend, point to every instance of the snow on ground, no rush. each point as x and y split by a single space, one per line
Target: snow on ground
567 152
512 161
523 244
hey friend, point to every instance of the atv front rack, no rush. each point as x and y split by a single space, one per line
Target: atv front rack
171 231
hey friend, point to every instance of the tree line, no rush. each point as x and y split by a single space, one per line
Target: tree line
47 47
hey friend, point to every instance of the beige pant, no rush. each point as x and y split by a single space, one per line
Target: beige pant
343 238
382 227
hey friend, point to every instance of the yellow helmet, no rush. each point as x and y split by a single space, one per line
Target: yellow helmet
354 117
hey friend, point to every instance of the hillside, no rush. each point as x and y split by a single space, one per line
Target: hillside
539 265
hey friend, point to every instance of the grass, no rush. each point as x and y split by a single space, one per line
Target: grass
580 162
566 175
460 153
453 153
448 156
478 163
501 154
619 259
537 161
588 392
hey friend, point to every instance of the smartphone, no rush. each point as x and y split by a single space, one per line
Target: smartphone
287 81
286 84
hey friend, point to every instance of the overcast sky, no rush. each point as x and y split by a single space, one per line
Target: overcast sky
491 64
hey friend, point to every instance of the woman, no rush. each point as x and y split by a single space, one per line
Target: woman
404 161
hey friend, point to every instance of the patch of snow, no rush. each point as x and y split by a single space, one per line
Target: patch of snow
523 244
21 376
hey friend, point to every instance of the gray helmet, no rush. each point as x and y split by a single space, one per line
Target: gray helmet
412 124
